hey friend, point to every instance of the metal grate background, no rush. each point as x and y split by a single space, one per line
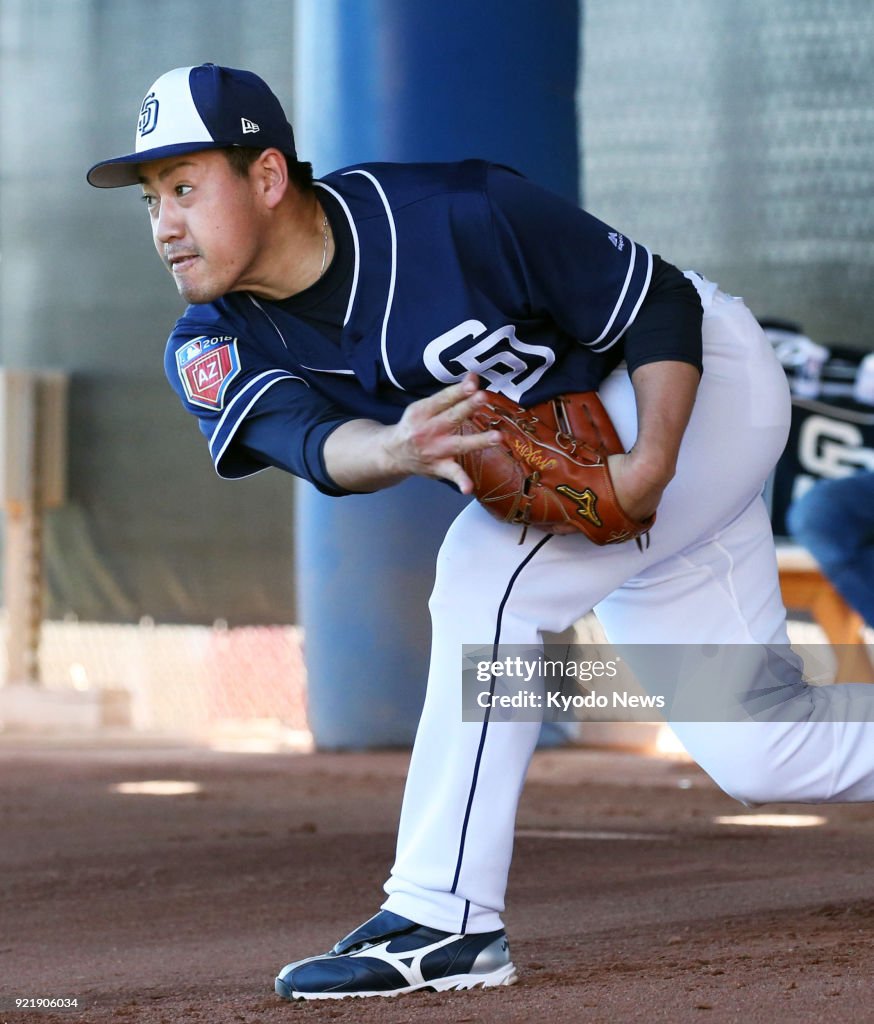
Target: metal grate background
737 137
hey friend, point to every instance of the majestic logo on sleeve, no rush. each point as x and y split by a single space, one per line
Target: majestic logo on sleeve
509 365
206 368
148 121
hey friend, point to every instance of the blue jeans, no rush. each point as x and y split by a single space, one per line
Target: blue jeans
834 520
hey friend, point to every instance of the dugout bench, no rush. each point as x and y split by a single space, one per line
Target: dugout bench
831 435
805 589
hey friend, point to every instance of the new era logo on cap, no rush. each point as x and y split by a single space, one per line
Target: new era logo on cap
197 108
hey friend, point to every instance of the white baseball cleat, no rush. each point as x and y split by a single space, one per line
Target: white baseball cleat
389 955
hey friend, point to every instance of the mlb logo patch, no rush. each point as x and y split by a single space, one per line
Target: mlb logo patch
206 368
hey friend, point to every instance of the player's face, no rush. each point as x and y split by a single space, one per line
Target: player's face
205 223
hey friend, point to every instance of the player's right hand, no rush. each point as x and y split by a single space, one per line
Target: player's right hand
426 440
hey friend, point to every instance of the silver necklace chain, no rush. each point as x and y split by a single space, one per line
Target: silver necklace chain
325 249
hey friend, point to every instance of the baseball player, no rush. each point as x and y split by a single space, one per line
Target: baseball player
342 329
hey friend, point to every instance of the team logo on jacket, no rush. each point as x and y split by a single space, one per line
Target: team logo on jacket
509 364
206 368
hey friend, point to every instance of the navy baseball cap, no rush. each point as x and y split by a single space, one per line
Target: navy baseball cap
196 108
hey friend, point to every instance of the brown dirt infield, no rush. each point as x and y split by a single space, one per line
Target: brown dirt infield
634 906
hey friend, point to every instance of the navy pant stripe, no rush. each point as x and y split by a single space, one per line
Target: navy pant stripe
482 739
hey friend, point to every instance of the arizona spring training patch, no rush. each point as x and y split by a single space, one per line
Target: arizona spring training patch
206 368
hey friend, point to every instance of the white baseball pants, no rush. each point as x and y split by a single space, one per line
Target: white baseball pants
708 576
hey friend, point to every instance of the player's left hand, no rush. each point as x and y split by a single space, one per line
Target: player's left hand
638 489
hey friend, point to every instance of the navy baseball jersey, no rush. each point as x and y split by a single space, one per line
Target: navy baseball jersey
448 268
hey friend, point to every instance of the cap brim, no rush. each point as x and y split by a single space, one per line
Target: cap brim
124 170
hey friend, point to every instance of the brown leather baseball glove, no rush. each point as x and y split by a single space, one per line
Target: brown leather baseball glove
551 471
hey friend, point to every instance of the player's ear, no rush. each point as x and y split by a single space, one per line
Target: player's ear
270 172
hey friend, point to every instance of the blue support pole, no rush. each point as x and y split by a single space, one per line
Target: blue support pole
409 81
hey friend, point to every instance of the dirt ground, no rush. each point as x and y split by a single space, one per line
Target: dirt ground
627 901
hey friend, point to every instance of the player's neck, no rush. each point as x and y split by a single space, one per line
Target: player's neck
298 249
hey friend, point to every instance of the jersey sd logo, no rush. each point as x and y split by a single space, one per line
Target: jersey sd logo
206 368
510 365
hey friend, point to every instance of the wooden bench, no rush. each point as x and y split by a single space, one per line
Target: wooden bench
805 588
